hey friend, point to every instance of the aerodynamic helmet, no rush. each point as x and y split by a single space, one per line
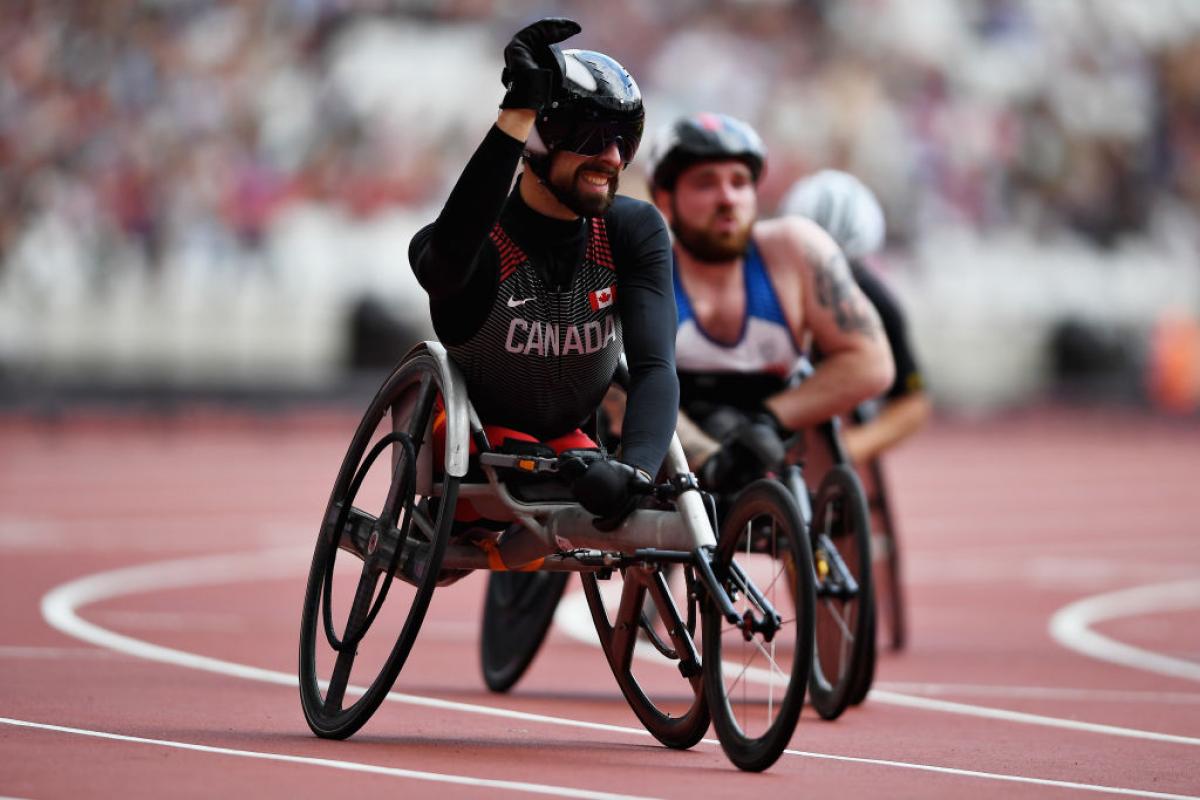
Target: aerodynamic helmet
598 103
842 205
704 137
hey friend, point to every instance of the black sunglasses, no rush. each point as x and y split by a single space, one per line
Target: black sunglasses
591 137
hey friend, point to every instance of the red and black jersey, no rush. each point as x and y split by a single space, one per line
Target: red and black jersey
544 356
537 310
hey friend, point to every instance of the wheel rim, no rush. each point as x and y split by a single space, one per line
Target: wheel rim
762 681
673 708
839 532
375 638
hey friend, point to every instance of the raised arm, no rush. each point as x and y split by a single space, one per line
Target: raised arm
445 255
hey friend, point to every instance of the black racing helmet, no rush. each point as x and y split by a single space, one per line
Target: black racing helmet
597 103
704 137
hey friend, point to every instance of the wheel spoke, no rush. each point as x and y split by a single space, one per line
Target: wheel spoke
633 594
770 657
737 678
425 525
841 623
338 681
422 407
774 580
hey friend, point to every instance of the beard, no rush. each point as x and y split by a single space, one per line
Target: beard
710 247
591 204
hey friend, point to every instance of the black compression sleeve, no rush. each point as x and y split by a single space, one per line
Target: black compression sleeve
642 252
908 375
444 255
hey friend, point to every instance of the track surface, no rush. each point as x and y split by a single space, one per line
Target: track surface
1053 566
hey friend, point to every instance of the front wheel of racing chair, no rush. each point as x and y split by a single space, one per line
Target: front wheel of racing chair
387 510
639 638
839 538
759 652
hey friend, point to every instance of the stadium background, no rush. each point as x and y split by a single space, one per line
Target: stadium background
206 198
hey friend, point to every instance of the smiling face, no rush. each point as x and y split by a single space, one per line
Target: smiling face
586 184
712 209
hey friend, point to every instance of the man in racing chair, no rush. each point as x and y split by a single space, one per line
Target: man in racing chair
753 296
536 291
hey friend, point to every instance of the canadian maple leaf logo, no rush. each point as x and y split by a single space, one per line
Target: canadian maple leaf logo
602 298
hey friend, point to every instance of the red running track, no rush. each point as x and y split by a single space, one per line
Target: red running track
177 679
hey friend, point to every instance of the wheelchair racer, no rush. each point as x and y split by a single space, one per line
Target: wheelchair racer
537 291
752 296
849 212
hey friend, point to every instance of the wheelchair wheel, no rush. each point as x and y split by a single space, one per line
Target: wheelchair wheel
756 683
517 612
841 541
385 509
866 670
638 617
885 551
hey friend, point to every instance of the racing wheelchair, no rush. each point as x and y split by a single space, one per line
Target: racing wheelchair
740 637
891 606
836 530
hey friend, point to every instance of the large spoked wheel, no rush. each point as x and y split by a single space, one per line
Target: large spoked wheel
385 509
756 680
645 623
517 612
840 539
885 551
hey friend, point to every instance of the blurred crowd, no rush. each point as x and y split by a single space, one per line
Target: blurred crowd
144 137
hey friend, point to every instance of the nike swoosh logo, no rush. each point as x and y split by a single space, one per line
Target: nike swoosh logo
513 302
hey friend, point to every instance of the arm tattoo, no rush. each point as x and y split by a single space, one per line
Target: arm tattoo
836 291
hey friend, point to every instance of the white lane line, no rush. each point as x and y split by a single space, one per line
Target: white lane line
1052 693
174 621
35 652
929 704
1071 626
1087 787
60 607
574 619
350 766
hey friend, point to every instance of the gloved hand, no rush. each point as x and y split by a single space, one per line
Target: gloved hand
531 67
751 450
610 490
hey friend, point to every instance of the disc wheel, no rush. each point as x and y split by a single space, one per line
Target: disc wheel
641 628
386 510
840 540
756 680
517 611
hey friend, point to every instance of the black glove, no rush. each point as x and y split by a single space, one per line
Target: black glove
531 66
610 490
747 453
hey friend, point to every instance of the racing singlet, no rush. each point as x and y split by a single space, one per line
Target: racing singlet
543 360
740 373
